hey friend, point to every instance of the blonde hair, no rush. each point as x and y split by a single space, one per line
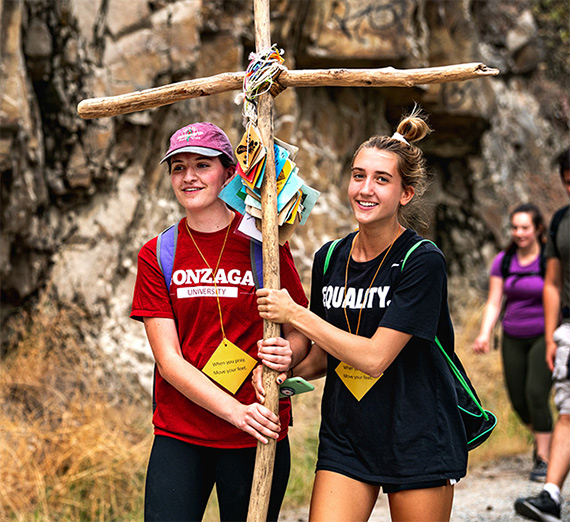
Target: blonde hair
411 162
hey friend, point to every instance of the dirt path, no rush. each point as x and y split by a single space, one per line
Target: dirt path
487 494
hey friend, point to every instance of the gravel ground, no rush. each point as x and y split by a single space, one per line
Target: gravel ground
487 494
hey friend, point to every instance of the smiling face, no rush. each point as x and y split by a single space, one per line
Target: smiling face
375 190
197 180
523 231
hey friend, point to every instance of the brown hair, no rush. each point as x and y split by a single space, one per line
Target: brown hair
224 160
537 220
411 161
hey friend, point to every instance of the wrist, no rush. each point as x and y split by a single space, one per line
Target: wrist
296 316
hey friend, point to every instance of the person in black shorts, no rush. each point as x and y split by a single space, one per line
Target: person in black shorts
389 413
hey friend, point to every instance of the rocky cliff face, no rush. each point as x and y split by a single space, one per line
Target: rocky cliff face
79 198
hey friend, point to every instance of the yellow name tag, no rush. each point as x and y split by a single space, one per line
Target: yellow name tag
356 381
229 366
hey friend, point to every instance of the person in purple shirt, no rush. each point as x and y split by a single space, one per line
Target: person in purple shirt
515 288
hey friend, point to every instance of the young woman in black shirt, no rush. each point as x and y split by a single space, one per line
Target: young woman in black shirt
389 414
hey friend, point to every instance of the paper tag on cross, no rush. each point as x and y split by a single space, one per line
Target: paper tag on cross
250 151
229 366
357 382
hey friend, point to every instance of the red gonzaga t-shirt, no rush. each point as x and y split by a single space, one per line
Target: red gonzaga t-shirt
192 303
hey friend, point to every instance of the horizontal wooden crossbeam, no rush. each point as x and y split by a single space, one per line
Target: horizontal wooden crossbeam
175 92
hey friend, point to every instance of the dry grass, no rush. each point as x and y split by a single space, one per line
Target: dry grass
74 439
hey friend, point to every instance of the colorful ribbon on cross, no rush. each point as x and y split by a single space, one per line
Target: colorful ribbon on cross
260 76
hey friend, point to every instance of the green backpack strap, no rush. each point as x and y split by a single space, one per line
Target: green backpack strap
329 254
409 252
460 378
451 364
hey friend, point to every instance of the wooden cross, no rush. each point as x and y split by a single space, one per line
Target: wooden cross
156 97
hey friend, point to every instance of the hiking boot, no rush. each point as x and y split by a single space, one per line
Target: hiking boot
542 508
538 471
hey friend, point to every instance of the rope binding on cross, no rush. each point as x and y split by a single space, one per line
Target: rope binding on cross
260 77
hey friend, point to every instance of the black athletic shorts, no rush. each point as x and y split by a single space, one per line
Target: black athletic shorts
395 488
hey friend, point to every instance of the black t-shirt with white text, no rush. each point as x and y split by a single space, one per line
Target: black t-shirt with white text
407 427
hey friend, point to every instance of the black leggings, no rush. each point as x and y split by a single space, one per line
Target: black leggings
528 380
180 478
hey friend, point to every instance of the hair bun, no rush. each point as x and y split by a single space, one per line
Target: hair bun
414 127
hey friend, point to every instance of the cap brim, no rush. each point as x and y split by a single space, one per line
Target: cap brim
197 150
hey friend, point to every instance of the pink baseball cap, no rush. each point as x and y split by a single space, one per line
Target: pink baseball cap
201 138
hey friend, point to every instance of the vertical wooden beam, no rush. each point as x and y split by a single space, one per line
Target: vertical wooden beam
265 457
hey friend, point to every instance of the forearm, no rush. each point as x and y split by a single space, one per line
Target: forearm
300 344
371 356
493 306
197 387
490 316
254 419
185 377
313 366
551 297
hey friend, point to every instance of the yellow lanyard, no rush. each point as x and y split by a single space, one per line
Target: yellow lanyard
372 282
214 273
